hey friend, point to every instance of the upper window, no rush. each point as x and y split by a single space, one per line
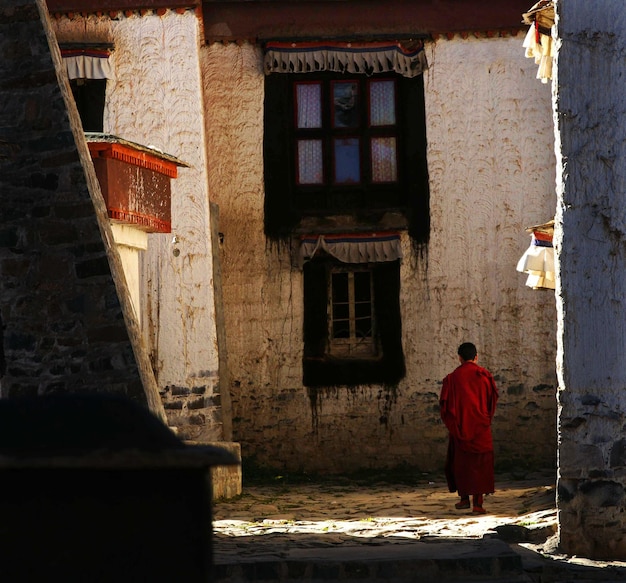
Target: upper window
88 67
342 144
89 95
345 133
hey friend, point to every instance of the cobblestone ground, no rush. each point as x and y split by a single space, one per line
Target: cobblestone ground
270 519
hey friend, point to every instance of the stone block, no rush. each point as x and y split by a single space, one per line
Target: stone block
226 480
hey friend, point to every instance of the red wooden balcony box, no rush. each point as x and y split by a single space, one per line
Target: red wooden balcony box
135 181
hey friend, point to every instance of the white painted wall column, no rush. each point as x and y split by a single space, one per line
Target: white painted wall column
590 117
156 100
130 243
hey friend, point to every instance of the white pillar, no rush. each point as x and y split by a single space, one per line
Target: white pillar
130 241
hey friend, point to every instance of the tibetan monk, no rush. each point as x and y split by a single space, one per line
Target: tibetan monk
467 404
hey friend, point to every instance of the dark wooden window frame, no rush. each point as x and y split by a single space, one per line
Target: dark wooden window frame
289 205
348 338
320 367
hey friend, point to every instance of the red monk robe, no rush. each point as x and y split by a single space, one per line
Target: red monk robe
468 402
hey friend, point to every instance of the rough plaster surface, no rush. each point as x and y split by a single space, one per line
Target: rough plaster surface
491 163
591 292
156 99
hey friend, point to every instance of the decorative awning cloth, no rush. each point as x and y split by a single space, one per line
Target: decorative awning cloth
407 59
87 63
353 247
538 260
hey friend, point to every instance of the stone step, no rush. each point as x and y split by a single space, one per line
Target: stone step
436 561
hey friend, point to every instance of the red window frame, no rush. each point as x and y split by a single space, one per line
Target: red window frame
363 131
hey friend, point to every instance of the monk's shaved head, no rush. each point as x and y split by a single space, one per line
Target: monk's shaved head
467 351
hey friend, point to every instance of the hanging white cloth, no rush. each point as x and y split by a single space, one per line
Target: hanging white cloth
539 46
538 262
87 64
353 247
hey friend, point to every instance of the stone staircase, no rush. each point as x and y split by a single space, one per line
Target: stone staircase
424 561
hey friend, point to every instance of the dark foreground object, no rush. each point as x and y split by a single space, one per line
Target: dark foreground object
434 561
96 489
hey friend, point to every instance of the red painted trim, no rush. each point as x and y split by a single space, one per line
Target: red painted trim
255 20
348 46
98 53
135 218
130 156
542 236
113 6
357 19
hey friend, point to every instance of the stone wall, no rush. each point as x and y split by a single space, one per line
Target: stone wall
491 164
67 316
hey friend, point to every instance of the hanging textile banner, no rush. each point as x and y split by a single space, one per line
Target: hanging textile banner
407 59
353 247
86 63
538 44
538 261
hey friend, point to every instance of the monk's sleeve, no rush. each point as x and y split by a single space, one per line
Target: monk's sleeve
493 396
443 397
446 406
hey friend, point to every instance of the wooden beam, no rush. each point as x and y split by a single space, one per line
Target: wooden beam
108 6
327 19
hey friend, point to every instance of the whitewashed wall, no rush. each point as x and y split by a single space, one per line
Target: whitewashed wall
492 166
590 116
492 173
156 99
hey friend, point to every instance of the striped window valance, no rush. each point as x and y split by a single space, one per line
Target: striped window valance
353 247
405 58
87 63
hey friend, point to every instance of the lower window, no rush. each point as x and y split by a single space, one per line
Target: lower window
351 317
352 324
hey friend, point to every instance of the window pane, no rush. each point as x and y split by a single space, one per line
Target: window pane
384 160
340 287
309 105
382 103
363 310
310 169
341 329
362 286
341 311
364 328
363 304
340 283
347 162
346 104
351 318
